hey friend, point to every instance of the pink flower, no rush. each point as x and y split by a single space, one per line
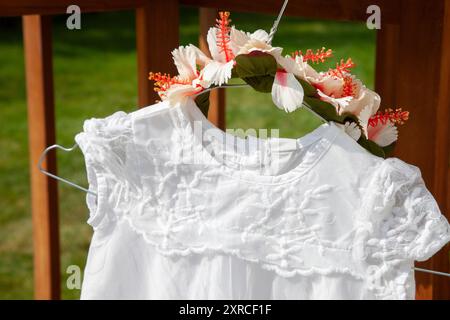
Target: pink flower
218 70
299 67
189 80
287 93
380 127
383 134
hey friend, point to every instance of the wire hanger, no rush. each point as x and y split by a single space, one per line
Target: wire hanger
41 169
273 30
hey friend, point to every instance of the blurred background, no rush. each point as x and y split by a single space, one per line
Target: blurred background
94 76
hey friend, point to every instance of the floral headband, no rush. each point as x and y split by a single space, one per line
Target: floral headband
335 95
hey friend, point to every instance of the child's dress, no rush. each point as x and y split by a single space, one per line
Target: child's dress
187 211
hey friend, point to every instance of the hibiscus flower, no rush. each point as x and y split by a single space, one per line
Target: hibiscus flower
189 80
218 70
287 92
381 126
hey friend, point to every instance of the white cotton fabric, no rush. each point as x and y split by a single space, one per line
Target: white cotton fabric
189 213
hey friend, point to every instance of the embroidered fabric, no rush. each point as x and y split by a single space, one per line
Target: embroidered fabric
408 222
319 208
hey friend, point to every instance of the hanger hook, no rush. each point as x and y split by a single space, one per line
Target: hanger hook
274 28
44 171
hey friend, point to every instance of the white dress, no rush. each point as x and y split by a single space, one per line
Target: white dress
187 211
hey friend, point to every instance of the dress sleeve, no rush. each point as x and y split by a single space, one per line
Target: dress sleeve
104 146
412 226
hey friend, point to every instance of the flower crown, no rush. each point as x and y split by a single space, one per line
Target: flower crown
335 95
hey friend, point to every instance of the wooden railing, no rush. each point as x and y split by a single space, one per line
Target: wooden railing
412 70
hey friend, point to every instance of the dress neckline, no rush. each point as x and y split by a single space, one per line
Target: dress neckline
187 117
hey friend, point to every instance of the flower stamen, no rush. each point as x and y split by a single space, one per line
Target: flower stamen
397 116
163 81
342 68
349 87
315 57
223 35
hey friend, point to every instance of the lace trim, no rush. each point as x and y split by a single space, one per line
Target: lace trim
113 126
408 224
102 143
282 270
385 282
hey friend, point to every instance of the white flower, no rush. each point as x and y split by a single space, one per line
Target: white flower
383 134
238 39
189 81
245 42
179 92
347 94
218 73
352 129
287 93
260 35
258 45
331 89
218 70
186 60
363 98
338 103
298 67
330 85
218 52
363 118
364 106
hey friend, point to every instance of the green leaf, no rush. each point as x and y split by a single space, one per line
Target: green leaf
202 102
372 147
324 109
260 83
254 64
348 117
309 90
328 111
234 74
389 150
257 69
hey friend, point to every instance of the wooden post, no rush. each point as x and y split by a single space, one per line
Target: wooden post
386 64
216 113
41 128
441 188
157 35
413 70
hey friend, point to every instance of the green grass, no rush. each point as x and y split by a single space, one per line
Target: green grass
95 75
